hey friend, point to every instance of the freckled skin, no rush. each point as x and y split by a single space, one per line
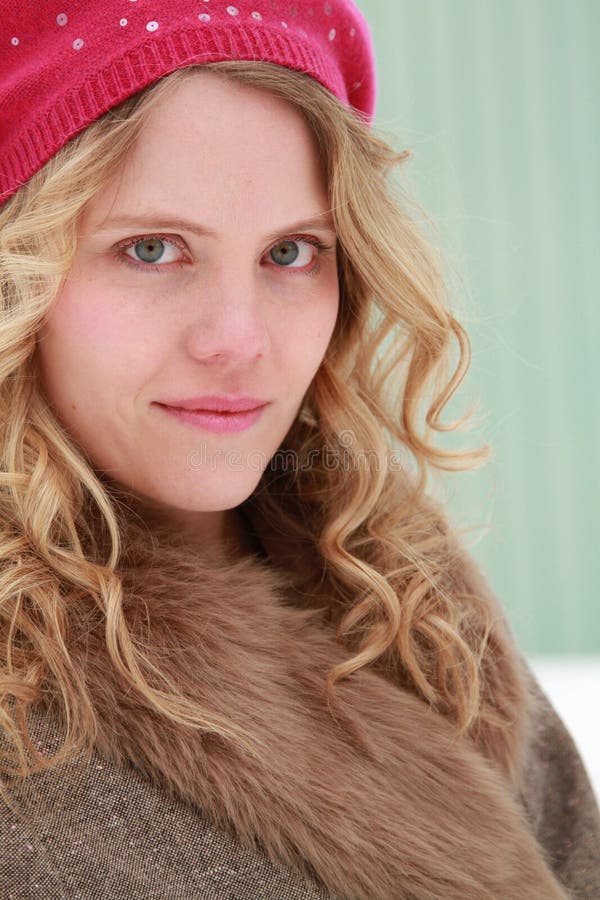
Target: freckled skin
219 316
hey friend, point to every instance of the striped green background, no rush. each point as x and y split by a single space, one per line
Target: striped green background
498 102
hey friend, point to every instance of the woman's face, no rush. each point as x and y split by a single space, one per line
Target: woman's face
199 271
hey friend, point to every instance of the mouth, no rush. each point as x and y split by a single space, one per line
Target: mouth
222 403
215 412
220 421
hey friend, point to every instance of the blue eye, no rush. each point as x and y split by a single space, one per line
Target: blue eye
150 252
297 253
285 253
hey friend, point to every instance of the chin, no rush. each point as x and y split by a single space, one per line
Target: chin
213 498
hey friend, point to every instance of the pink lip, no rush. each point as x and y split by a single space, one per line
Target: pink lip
219 422
216 403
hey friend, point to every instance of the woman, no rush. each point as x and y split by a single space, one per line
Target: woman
244 653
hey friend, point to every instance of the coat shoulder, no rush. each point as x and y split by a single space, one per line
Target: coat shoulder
559 800
92 828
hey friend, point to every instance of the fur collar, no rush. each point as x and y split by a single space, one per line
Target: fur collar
369 793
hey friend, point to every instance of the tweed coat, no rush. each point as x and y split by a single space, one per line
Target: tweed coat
367 798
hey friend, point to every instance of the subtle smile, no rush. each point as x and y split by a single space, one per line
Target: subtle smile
221 422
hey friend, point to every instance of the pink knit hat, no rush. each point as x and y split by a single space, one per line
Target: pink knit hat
63 63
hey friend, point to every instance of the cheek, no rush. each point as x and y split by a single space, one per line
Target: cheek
326 312
83 346
307 342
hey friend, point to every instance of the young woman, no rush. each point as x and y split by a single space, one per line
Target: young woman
243 652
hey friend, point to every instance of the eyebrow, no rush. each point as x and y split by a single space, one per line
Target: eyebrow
157 221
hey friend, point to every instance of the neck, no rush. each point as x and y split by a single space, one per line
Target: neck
229 531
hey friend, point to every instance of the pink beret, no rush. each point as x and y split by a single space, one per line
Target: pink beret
63 63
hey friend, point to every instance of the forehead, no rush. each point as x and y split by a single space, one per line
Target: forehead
212 144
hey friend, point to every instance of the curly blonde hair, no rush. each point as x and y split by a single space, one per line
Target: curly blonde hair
384 546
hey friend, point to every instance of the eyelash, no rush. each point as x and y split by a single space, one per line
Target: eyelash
149 267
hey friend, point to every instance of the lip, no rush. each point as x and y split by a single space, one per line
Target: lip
231 403
218 422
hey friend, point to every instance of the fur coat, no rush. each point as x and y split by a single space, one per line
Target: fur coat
367 798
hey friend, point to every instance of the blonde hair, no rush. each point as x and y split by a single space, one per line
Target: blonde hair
384 544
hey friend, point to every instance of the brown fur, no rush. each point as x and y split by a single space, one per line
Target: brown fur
371 794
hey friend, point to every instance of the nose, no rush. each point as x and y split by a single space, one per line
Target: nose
230 321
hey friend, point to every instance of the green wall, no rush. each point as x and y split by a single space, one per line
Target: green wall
498 102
